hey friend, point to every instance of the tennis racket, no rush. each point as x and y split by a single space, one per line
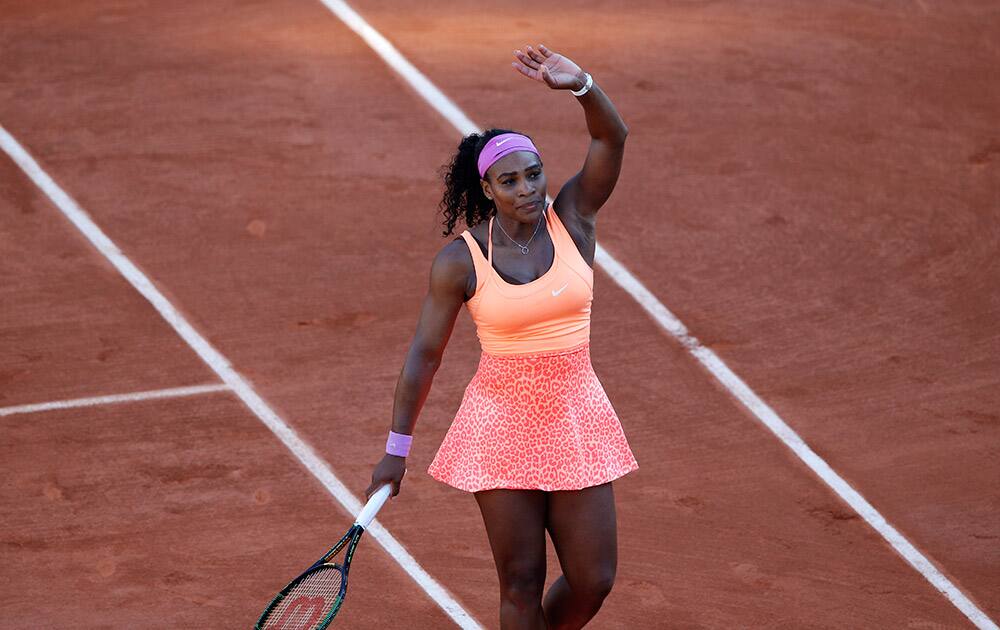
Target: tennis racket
311 601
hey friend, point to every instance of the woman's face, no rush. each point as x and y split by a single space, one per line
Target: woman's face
516 184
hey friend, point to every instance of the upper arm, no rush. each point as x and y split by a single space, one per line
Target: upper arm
587 191
445 296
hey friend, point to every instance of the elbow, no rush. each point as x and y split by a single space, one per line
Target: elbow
620 134
431 364
428 359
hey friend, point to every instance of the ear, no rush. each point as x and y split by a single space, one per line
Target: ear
487 190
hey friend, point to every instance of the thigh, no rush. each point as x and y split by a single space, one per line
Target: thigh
515 525
584 530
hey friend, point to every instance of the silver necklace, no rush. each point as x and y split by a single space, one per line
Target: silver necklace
524 248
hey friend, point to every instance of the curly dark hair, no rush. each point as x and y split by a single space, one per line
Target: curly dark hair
463 194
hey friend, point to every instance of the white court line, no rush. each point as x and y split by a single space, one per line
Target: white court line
173 392
235 381
624 278
403 67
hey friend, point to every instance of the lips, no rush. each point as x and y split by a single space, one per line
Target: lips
531 204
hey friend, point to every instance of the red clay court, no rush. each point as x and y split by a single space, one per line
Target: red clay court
216 225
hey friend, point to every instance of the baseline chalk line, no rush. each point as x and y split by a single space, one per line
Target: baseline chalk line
93 401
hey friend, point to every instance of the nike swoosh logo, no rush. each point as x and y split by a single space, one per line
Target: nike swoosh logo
499 142
556 292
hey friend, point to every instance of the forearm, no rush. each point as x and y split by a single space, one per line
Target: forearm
603 120
412 388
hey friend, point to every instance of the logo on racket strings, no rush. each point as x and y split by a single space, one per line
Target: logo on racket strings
298 617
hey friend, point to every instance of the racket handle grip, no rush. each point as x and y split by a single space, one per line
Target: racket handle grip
374 504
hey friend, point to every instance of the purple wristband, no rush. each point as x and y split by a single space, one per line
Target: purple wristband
398 444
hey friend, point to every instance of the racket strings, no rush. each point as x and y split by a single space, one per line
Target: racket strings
307 605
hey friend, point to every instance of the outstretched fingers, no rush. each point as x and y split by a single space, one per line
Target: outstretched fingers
528 72
535 55
528 67
527 60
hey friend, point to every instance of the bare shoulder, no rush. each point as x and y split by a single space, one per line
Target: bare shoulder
453 259
452 267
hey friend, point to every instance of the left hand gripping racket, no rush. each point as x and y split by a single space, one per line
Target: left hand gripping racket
311 601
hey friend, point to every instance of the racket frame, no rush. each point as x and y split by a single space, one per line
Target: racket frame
354 536
364 520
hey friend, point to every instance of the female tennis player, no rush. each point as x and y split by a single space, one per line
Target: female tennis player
535 437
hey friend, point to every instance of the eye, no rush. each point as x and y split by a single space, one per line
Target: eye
535 175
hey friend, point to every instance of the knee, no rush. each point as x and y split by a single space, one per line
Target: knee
522 586
596 586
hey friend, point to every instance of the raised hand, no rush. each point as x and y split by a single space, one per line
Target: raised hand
550 68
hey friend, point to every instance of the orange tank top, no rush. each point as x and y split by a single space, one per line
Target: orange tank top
550 313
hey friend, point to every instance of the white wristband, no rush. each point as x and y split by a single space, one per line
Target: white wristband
586 86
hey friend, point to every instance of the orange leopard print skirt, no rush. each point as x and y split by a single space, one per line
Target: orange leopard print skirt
539 421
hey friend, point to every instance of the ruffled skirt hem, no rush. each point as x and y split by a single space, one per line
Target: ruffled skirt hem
534 422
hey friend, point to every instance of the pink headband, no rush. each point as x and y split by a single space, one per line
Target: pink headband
501 145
